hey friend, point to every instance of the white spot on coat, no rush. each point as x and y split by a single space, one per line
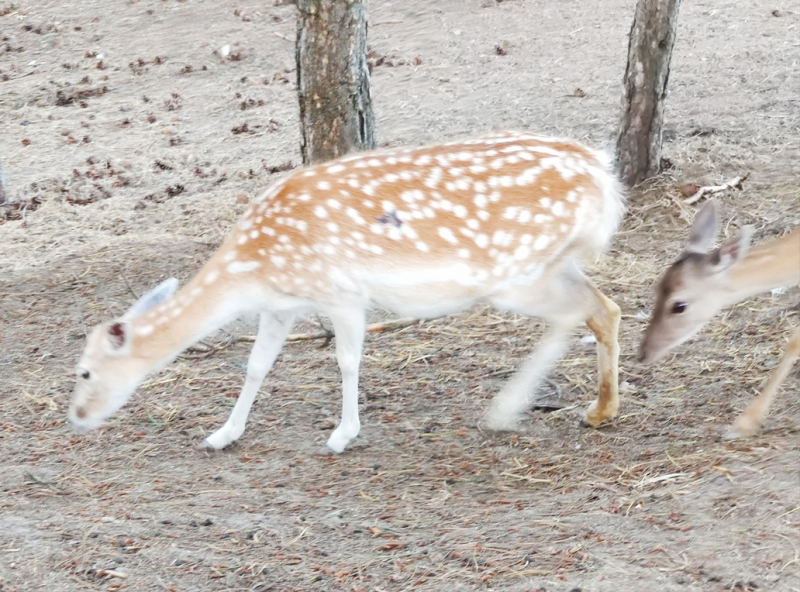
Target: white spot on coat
501 238
460 211
542 241
242 266
448 235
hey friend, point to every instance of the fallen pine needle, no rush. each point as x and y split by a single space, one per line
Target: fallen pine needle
525 478
530 572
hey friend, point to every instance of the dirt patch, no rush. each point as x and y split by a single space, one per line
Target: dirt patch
132 138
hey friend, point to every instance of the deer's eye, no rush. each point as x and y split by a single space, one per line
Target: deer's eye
85 374
678 307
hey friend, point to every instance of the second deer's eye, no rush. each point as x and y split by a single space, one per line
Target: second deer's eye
678 307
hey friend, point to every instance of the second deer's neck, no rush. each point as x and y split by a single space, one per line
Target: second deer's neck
766 267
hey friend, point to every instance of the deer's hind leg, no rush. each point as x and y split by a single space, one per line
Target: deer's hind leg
604 324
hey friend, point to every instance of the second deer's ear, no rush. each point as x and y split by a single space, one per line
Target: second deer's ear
731 251
704 229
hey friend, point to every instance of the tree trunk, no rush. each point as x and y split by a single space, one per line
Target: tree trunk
645 88
333 79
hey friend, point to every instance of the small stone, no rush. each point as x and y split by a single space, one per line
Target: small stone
689 189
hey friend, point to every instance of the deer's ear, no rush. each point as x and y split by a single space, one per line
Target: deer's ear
730 252
118 338
154 297
704 229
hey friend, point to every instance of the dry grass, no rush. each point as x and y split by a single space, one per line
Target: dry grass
423 499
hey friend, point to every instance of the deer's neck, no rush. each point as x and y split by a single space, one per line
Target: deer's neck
766 267
203 306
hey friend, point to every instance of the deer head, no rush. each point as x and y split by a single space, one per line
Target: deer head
694 288
109 371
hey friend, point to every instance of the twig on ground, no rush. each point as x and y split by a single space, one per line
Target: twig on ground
735 183
110 573
203 349
326 333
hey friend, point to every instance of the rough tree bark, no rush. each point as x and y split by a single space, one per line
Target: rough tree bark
332 79
652 36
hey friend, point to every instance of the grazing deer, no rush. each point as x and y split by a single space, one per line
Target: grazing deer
704 280
426 232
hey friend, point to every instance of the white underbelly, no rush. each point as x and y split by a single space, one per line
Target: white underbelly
434 292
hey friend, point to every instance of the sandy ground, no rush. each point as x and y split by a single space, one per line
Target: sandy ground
127 158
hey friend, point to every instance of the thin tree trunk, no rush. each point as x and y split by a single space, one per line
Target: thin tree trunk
332 79
645 88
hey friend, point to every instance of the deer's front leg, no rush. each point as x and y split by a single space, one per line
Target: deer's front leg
748 423
273 329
